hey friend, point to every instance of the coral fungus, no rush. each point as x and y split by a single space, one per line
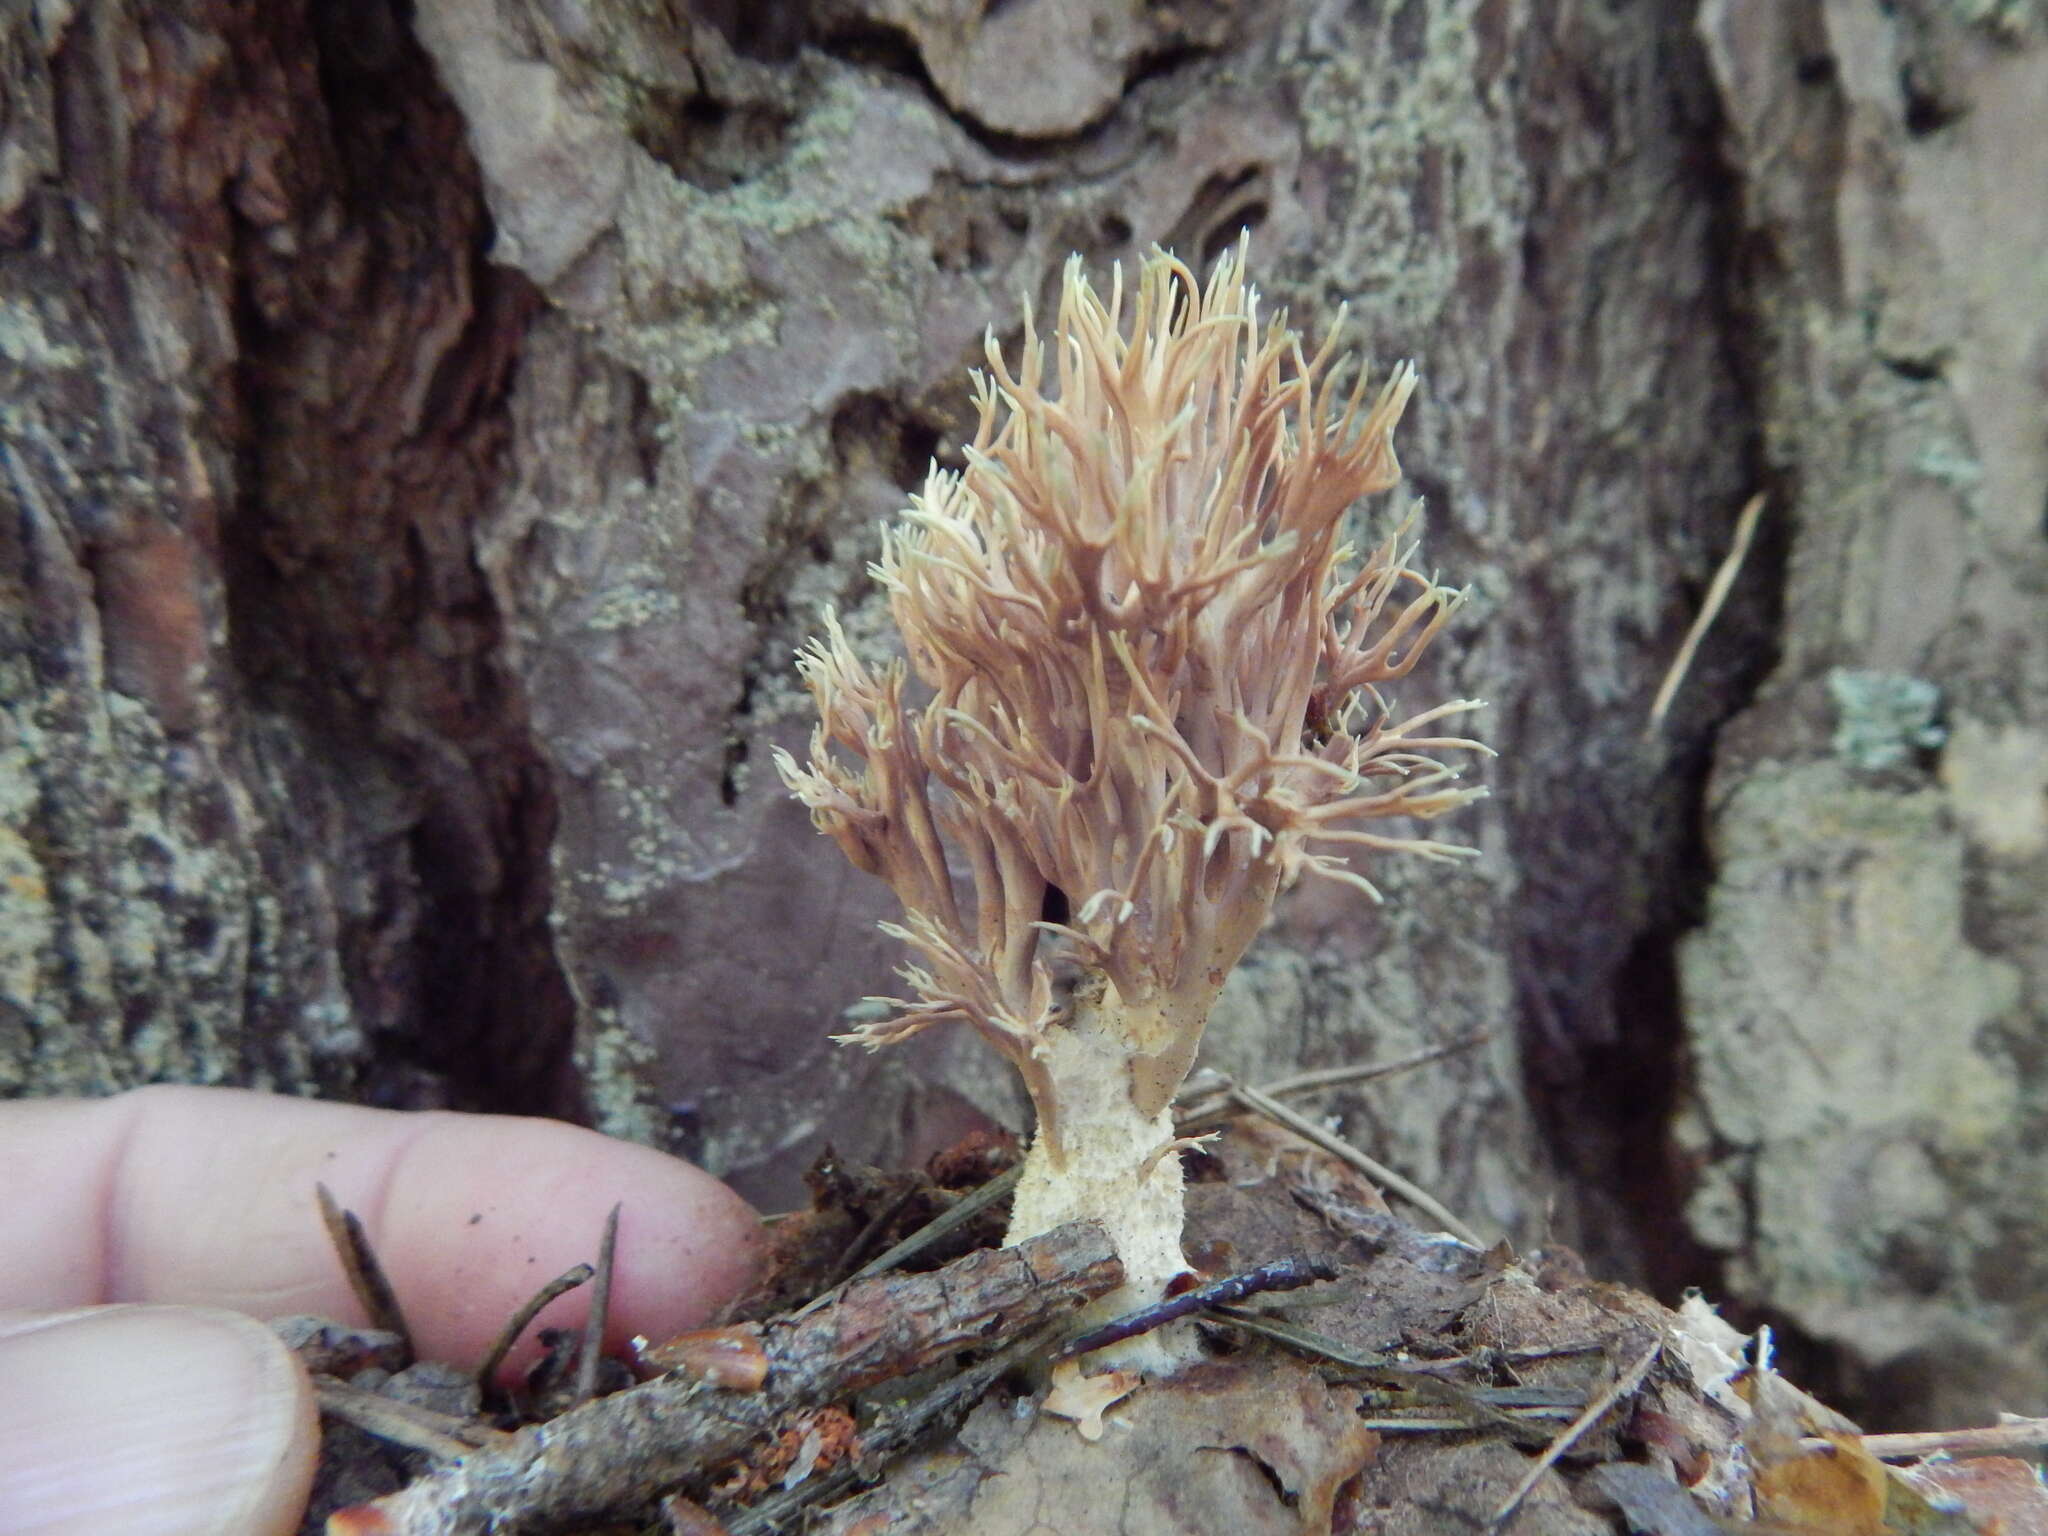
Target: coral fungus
1149 701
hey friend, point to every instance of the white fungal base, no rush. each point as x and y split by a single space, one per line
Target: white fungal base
1114 1165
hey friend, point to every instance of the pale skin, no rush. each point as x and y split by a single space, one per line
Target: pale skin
142 1236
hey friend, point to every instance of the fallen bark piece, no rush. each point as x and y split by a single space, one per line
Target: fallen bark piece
617 1456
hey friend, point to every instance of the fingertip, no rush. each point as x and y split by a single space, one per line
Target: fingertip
483 1211
687 1245
152 1418
205 1196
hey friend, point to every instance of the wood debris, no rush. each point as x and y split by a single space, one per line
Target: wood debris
366 1276
1417 1384
616 1456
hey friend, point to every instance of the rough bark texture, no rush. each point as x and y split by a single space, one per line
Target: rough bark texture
604 1457
273 810
426 431
1864 1004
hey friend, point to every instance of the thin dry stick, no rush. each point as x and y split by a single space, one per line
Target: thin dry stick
1597 1409
1405 1424
592 1349
897 1433
1366 1071
440 1435
1402 1375
1309 1342
1372 1168
969 1205
1209 1105
366 1276
613 1457
2015 1434
1280 1275
518 1322
1489 1355
876 1225
1710 609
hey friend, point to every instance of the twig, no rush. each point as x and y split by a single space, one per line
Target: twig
890 1439
612 1457
1280 1275
518 1322
1407 1424
877 1224
1309 1342
440 1435
1211 1104
1407 1376
1623 1385
1492 1354
1367 1071
1497 1404
1710 609
1372 1168
366 1276
965 1209
2015 1434
591 1353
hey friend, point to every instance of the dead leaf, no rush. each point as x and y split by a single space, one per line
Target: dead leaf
1256 1446
1839 1490
1085 1399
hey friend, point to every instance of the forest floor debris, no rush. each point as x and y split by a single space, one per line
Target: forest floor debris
1363 1376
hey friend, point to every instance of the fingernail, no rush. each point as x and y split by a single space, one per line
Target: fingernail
120 1420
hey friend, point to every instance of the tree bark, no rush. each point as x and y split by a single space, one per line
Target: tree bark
428 430
1864 1002
275 813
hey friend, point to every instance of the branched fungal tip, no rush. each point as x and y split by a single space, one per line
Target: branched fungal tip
1129 616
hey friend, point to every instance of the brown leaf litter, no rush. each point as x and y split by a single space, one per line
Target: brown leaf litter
1430 1387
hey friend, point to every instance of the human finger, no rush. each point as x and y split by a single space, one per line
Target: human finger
166 1420
206 1196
